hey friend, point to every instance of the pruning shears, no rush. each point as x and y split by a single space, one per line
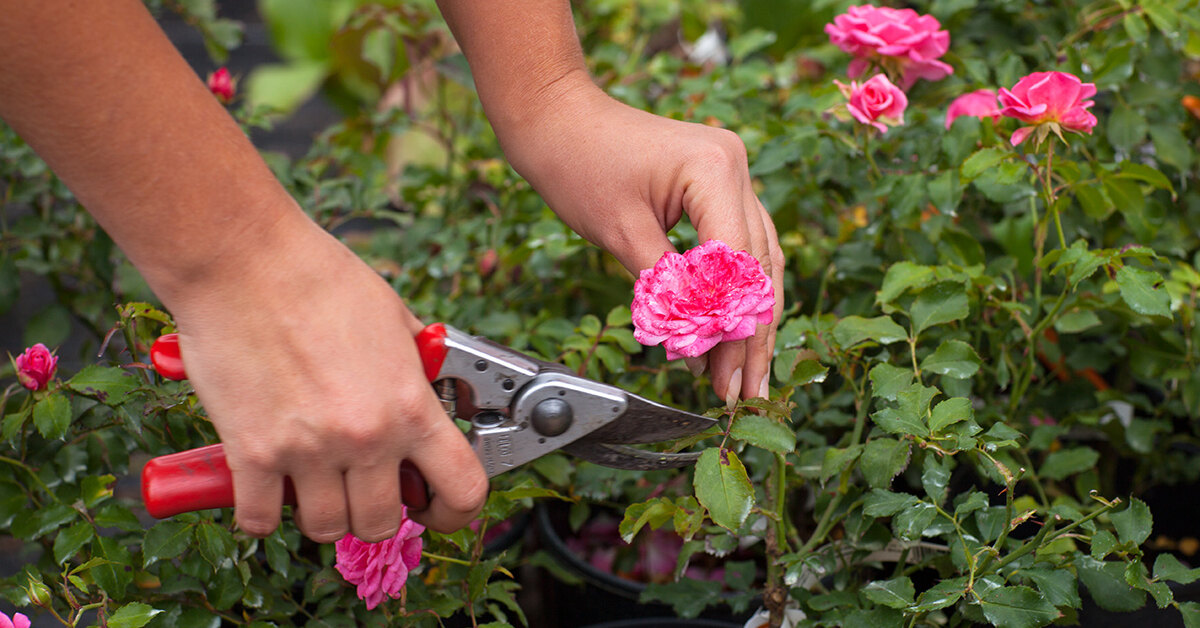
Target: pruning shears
523 408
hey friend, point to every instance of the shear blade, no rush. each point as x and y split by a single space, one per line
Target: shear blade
625 457
645 421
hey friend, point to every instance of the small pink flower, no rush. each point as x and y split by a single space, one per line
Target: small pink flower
980 103
221 84
1057 99
383 567
35 367
18 621
896 37
876 102
710 294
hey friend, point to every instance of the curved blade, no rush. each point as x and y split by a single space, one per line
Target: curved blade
623 457
645 421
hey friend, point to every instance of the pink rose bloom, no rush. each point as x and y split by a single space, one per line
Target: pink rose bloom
1055 98
898 37
710 294
383 567
980 103
35 368
876 102
220 83
18 621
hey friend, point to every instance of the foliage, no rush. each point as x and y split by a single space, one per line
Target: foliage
988 357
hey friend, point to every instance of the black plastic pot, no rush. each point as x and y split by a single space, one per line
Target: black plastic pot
606 600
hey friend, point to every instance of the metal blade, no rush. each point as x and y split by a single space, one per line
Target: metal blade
645 421
624 457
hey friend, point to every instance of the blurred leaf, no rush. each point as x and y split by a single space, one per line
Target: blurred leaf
1126 128
1067 462
283 88
854 329
901 277
1116 67
655 512
216 544
688 596
71 540
983 160
1106 585
1171 146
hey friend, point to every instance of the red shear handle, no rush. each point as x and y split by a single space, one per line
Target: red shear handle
199 479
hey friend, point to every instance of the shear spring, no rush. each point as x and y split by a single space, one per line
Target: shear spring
447 392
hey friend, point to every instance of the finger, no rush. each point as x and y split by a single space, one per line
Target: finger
725 361
640 242
321 504
454 475
697 365
258 499
756 370
373 495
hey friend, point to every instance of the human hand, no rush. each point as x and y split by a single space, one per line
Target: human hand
307 366
622 178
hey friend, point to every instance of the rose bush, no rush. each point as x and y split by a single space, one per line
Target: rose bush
985 389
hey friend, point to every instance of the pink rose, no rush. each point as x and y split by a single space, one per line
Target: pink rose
980 103
220 83
898 37
36 367
383 567
693 301
18 621
876 102
1057 99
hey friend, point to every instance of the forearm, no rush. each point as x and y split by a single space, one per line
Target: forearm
102 95
524 55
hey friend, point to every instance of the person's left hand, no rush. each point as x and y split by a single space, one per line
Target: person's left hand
622 178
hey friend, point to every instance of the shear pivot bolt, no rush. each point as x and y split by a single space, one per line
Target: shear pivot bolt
552 417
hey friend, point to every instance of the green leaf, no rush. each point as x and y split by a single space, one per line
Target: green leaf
1103 543
855 329
894 593
888 381
1076 321
1145 174
216 544
881 503
166 540
838 460
109 385
52 416
1134 523
132 615
1167 567
808 372
1116 68
69 541
1142 290
983 160
910 524
1126 128
1191 614
688 596
883 459
96 489
1066 462
723 488
949 412
1172 146
909 415
225 588
1017 607
953 358
114 575
935 477
1060 586
1106 585
589 326
763 431
941 595
284 87
655 512
901 277
943 303
278 556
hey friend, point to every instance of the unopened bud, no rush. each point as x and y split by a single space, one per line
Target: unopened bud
39 594
221 84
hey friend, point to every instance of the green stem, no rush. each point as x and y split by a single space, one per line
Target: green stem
32 474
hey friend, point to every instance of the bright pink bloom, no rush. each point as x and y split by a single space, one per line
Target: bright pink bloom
980 103
35 368
896 37
1056 98
220 83
691 302
876 102
18 621
383 567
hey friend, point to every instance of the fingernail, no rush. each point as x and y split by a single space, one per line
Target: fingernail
764 387
735 389
696 365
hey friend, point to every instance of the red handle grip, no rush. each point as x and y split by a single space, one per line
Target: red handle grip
198 479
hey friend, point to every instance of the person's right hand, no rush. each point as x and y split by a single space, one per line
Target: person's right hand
307 366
